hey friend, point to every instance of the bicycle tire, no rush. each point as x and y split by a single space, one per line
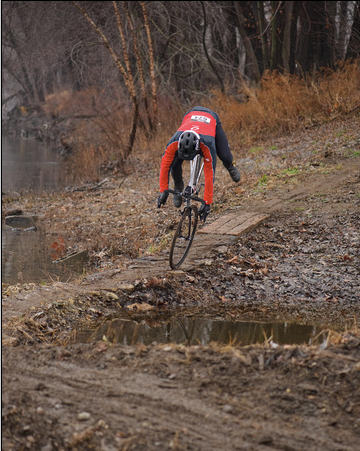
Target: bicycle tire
184 236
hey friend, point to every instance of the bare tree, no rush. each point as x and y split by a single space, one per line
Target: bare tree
286 48
353 48
262 30
124 66
175 49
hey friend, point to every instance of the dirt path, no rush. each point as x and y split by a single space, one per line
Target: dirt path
328 193
300 263
115 397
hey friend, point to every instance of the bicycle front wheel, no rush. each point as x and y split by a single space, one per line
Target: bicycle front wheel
184 236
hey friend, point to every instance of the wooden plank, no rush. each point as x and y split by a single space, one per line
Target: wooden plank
247 225
213 228
234 223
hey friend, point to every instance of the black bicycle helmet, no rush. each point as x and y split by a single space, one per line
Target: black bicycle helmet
189 145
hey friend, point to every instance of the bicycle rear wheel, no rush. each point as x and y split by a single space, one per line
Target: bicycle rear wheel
184 236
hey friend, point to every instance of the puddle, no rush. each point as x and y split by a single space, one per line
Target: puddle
194 331
25 259
29 166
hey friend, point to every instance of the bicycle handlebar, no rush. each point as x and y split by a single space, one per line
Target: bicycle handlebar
197 199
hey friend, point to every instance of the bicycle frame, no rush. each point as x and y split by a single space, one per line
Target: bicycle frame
196 167
185 231
192 189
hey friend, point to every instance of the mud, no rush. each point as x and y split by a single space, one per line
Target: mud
300 265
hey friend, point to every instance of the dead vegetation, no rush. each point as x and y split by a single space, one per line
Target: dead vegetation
284 103
280 104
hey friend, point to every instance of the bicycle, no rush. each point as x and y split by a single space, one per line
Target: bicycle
185 231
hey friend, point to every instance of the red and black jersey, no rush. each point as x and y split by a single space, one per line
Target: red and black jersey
203 121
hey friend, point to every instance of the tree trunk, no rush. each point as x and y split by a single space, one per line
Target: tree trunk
152 70
353 49
340 44
25 81
263 35
293 35
276 35
250 54
135 120
315 42
127 75
287 43
213 68
273 48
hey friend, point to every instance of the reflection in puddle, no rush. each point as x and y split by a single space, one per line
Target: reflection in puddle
25 259
193 331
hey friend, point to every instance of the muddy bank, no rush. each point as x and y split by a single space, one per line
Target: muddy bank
109 397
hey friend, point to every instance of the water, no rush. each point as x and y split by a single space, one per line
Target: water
25 259
29 166
194 331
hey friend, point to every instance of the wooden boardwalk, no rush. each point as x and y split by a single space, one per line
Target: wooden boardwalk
234 223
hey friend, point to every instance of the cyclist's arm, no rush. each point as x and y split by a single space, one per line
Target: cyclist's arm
166 162
208 173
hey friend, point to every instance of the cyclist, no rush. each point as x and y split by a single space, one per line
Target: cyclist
200 131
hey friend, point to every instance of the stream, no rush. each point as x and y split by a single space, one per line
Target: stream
28 166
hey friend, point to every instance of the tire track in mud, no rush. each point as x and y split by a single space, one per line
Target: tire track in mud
125 399
131 398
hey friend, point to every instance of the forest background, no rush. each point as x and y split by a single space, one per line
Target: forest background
100 81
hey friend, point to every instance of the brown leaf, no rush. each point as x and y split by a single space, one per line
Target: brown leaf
102 347
233 260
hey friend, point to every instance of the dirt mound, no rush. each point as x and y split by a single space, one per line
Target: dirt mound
102 396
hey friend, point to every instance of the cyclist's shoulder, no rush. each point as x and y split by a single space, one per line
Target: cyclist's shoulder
175 137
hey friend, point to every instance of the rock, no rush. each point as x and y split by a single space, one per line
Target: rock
47 447
15 212
111 296
228 408
128 287
84 416
140 307
30 229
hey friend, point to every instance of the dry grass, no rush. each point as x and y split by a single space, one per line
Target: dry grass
282 103
70 103
100 141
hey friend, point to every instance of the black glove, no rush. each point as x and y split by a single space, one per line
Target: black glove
162 199
204 210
